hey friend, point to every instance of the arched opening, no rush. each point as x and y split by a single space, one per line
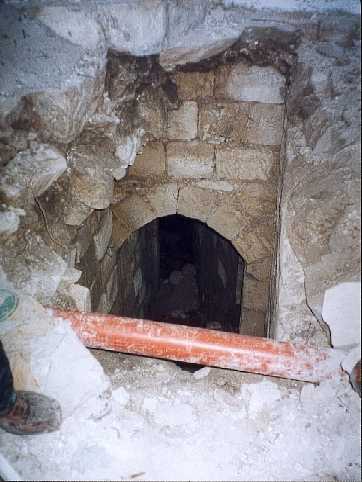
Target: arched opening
178 270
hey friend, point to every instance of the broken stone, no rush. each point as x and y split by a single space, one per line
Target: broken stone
196 32
32 172
182 123
245 83
76 212
192 159
46 356
128 147
139 30
342 311
223 122
32 266
60 115
91 187
103 236
245 164
75 296
10 219
151 161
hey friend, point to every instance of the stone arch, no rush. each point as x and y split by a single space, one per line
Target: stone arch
218 210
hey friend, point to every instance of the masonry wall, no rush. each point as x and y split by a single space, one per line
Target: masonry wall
212 153
138 264
220 273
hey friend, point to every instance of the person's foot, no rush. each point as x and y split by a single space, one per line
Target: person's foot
32 413
356 378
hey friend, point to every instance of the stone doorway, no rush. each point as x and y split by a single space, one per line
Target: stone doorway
178 270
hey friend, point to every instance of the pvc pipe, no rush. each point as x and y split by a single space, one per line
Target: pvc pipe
204 347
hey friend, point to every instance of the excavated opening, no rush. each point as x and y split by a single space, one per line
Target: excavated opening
178 270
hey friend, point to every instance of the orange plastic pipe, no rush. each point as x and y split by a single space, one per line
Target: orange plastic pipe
205 347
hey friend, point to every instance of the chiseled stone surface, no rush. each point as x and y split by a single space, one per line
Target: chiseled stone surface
245 83
182 123
190 159
245 164
150 161
197 203
163 199
265 126
221 122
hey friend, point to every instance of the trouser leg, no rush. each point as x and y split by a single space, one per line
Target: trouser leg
7 392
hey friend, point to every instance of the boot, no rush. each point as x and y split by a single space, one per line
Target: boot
355 378
32 413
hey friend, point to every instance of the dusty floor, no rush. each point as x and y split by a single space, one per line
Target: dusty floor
169 424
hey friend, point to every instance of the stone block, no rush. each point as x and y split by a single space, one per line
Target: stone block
245 83
91 187
253 323
163 199
83 240
108 263
260 270
126 151
103 305
256 243
151 110
80 296
196 203
30 173
265 126
112 287
222 122
151 161
190 159
130 214
31 265
196 31
227 220
182 123
75 212
103 236
255 294
244 164
194 85
96 291
88 266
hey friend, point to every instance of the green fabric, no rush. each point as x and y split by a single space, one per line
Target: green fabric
8 304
